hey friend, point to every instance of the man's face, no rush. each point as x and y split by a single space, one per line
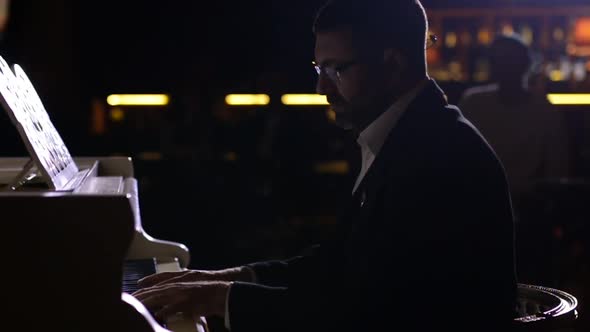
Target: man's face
353 82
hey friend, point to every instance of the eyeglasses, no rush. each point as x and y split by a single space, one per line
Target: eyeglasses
334 72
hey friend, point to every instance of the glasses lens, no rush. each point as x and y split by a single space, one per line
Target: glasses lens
332 73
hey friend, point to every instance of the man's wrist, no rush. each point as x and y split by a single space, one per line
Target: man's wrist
245 274
240 273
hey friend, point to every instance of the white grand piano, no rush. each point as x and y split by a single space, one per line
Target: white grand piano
72 231
105 202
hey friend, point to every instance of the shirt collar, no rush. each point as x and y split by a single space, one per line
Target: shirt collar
373 137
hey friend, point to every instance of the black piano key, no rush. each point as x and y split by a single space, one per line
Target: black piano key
135 269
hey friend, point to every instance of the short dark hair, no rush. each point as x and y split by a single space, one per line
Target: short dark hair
400 24
519 51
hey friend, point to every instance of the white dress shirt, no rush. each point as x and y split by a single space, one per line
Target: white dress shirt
372 138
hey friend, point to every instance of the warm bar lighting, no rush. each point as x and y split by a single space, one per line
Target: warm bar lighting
339 167
582 31
117 114
138 100
451 40
569 98
484 36
247 99
303 99
556 75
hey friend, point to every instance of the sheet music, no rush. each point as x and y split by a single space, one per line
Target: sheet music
45 145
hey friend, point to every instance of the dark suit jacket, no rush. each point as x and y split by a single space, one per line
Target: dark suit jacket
428 242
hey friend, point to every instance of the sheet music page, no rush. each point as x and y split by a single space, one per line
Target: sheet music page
42 140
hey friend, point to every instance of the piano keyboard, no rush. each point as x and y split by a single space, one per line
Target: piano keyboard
135 269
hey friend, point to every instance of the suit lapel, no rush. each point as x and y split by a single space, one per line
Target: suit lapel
430 98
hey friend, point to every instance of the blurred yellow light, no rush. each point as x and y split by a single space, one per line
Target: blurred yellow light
484 36
331 115
4 13
247 99
527 35
556 75
138 100
569 98
455 70
481 76
304 99
339 167
451 40
117 114
440 75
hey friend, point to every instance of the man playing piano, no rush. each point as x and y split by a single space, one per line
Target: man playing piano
429 235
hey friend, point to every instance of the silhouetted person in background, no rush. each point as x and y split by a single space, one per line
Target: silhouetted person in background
530 139
427 242
528 135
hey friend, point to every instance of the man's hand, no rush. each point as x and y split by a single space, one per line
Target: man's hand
202 298
232 274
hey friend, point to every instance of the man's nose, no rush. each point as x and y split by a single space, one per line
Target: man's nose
325 85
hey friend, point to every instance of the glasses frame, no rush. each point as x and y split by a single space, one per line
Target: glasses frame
334 72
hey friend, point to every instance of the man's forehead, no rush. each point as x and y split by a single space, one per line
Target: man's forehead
334 44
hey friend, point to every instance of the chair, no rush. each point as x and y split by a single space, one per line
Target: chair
544 309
